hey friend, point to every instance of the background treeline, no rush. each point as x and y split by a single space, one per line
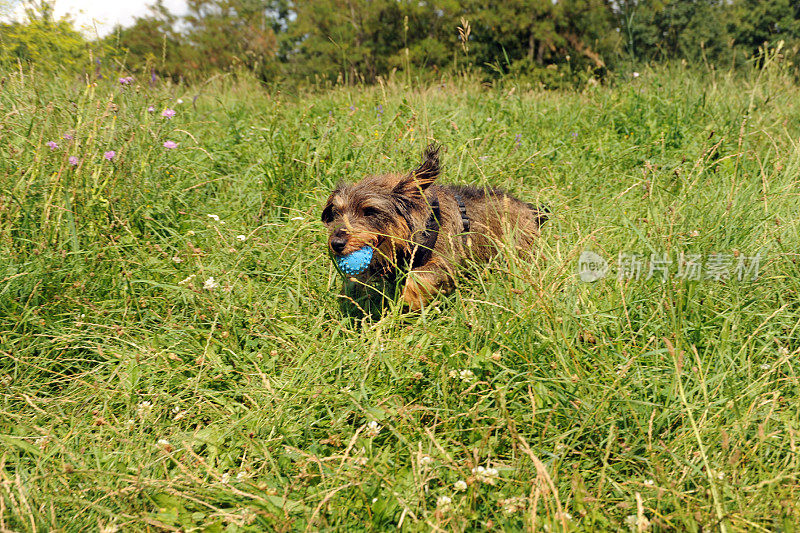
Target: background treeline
553 43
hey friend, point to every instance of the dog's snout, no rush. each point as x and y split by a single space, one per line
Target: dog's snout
338 244
339 240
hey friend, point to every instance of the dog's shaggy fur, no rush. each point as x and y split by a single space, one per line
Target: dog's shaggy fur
416 227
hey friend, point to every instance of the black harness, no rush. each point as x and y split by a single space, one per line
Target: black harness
463 209
425 241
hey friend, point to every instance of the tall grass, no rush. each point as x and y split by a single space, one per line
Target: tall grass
140 394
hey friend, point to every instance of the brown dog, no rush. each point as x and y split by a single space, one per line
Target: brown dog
423 229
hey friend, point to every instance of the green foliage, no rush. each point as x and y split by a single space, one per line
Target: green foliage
765 22
137 394
564 44
220 36
694 30
50 45
152 43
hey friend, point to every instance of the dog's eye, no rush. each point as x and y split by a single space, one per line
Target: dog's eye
370 212
327 214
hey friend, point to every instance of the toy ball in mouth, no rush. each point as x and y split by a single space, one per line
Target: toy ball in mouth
354 263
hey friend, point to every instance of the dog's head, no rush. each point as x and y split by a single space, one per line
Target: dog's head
381 211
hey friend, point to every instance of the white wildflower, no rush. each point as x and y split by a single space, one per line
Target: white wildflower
179 101
425 460
215 218
241 476
649 482
361 457
635 74
765 366
453 374
443 502
226 477
486 475
187 280
466 375
460 485
144 408
514 505
210 284
164 442
107 528
373 429
177 259
241 238
634 524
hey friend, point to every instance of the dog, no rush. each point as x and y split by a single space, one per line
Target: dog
418 233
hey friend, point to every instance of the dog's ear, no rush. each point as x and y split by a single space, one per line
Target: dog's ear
426 173
327 214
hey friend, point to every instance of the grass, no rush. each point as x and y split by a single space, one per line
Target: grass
134 399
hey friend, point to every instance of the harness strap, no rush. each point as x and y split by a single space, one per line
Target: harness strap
463 210
425 241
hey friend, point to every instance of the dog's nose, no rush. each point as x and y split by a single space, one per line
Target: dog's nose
338 242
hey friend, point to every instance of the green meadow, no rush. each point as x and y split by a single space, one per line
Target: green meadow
174 357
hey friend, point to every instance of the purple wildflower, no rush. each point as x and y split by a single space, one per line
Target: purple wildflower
168 113
68 136
170 145
153 77
575 134
518 139
52 144
151 109
74 161
110 155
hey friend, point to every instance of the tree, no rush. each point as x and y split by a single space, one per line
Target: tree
758 22
152 42
49 44
228 33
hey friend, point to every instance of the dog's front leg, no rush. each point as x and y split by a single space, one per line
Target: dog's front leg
424 283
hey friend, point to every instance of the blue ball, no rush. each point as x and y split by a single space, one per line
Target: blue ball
356 262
